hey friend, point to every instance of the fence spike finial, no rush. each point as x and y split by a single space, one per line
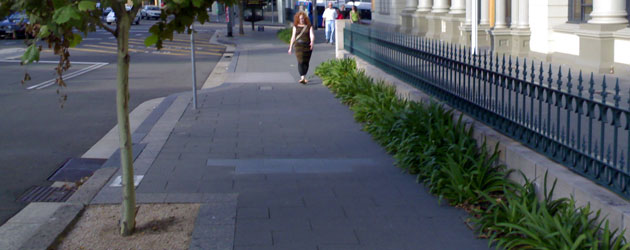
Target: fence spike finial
559 81
541 73
533 69
503 64
550 76
524 68
621 161
496 64
572 139
591 89
580 87
510 65
617 98
604 94
608 153
569 83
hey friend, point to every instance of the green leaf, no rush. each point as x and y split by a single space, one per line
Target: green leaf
87 5
76 39
31 54
44 31
197 3
150 40
64 14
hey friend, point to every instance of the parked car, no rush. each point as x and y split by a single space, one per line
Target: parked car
150 12
106 11
14 26
111 18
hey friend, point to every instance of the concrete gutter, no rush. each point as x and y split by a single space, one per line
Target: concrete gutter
39 224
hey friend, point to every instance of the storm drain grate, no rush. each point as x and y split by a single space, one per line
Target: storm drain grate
46 194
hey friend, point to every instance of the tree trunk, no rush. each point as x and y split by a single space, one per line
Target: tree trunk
241 13
128 220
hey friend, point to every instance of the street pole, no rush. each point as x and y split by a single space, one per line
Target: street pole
272 11
314 13
229 23
194 67
474 35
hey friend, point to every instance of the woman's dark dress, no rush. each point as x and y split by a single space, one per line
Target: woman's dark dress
303 48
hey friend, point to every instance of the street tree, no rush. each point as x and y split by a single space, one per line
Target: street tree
62 24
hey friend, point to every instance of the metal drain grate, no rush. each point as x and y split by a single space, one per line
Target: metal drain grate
46 194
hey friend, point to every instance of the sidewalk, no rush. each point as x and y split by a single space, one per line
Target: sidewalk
279 165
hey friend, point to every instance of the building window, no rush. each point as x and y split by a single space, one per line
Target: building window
580 10
384 7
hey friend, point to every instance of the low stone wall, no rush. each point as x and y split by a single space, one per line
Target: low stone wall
519 157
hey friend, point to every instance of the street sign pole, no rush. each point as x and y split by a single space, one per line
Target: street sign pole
194 66
474 36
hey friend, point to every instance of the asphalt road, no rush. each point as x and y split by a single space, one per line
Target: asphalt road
38 134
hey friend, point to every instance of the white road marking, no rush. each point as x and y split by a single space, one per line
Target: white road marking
42 85
47 62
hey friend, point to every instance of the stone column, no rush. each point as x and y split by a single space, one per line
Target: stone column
424 5
420 22
520 30
440 6
469 12
523 14
514 16
484 39
609 12
435 18
451 22
484 19
412 5
597 42
501 36
458 7
500 14
406 22
465 29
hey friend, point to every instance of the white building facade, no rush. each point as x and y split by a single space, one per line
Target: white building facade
588 34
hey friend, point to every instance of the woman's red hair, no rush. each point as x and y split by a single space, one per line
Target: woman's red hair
296 19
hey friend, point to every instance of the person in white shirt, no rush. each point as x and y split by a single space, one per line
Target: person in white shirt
329 17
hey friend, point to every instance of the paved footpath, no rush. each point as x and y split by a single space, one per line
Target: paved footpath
279 165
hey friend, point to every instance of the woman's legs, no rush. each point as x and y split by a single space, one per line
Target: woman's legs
303 68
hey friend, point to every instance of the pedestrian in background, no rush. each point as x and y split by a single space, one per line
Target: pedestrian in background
303 38
329 17
343 13
354 15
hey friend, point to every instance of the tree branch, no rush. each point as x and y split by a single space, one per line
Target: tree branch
105 27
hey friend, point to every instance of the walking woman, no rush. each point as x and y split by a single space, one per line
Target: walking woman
303 38
354 15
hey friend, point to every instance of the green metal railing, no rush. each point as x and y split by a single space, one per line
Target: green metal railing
570 120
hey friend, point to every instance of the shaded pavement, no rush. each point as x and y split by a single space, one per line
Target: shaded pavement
279 165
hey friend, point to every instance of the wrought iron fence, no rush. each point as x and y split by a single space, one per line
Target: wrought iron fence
564 115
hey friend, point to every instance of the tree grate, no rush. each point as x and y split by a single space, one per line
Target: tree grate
46 194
